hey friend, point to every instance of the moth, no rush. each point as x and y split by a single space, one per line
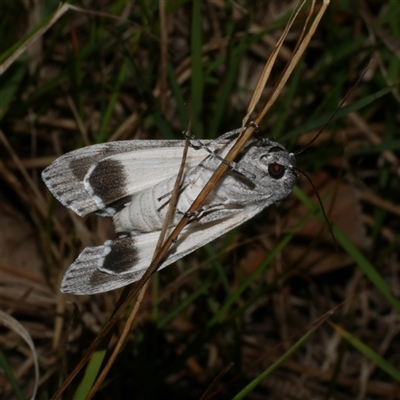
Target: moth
132 181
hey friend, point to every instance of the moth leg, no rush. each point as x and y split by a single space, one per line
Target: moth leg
235 132
212 212
228 135
198 213
254 126
197 144
182 188
168 194
219 214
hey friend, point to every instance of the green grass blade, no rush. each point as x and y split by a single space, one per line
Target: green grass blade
178 96
225 91
5 366
260 269
251 386
102 136
28 36
183 304
209 249
197 79
11 86
369 353
320 121
365 266
91 373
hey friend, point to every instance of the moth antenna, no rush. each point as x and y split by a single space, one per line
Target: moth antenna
320 204
333 115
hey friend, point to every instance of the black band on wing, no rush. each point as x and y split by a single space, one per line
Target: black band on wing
108 181
119 255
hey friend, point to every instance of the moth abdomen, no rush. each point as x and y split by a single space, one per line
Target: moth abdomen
146 210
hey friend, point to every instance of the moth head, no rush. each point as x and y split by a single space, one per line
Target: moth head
273 167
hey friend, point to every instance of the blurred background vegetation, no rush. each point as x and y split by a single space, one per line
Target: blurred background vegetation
222 317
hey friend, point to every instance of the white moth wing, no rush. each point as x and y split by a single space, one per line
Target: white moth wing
94 177
129 257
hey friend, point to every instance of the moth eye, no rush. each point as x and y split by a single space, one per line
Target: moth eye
276 171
